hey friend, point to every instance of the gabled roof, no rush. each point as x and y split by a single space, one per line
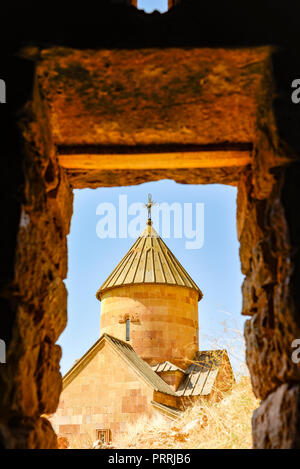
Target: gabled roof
166 366
149 260
201 375
127 353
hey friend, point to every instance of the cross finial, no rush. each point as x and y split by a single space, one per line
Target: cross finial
149 206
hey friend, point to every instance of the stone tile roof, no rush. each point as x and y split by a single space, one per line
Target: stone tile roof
166 366
201 375
129 355
149 260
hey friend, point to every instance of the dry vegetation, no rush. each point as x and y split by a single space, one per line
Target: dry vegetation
225 424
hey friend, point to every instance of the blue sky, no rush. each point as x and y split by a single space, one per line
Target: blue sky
215 267
151 5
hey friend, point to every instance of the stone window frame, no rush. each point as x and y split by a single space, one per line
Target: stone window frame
104 435
36 298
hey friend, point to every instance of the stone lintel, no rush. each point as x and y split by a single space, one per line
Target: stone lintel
200 159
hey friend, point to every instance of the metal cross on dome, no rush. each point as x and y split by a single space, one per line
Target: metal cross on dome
149 205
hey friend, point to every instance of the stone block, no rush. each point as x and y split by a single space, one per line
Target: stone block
276 423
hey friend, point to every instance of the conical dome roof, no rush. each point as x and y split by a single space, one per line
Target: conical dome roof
149 260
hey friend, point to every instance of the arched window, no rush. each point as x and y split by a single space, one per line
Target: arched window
128 330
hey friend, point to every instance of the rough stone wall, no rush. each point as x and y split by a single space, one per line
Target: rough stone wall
163 320
106 394
177 99
35 296
268 232
174 96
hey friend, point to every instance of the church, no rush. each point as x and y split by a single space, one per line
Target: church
147 359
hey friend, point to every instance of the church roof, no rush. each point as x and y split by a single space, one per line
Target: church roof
129 355
149 260
199 380
202 374
166 366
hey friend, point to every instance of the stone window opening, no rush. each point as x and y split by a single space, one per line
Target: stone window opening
104 435
148 6
252 158
128 330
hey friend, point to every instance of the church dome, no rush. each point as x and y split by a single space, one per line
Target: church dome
149 261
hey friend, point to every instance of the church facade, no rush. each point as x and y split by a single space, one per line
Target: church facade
147 359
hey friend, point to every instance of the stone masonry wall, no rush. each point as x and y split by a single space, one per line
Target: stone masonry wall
268 232
116 397
163 320
30 381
